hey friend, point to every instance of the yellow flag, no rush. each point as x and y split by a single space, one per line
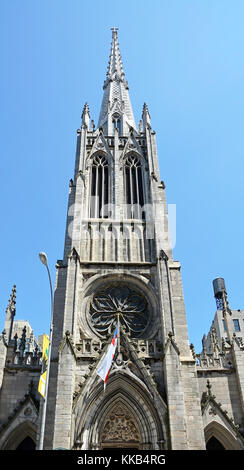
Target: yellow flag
45 347
42 384
43 377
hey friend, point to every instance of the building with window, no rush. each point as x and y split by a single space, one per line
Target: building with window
219 325
118 271
224 327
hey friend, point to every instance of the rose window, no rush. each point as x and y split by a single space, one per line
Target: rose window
131 306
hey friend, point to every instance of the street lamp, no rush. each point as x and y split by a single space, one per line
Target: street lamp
43 258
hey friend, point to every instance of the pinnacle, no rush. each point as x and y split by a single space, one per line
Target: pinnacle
12 299
146 115
145 109
85 116
85 108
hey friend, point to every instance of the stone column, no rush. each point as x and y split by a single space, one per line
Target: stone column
64 399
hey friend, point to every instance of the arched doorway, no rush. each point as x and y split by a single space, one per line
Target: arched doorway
218 437
26 444
120 429
23 437
125 416
214 444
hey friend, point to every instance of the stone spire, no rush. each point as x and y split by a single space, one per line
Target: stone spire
116 104
115 66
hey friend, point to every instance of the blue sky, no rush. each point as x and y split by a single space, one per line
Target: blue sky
184 58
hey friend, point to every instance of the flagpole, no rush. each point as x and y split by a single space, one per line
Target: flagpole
43 259
118 314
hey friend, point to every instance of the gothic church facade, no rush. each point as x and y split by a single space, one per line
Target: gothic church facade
118 266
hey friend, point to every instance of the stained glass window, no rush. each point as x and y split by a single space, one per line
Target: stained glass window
99 187
131 306
134 188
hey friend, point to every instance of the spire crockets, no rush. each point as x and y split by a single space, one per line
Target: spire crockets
10 313
116 110
115 65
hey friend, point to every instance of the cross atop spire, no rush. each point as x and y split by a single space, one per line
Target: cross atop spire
114 32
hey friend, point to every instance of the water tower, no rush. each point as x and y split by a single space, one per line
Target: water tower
219 291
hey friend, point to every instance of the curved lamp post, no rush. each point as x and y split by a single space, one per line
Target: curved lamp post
43 258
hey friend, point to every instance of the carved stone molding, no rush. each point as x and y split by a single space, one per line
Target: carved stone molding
120 427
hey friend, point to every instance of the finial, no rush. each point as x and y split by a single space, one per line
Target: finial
85 109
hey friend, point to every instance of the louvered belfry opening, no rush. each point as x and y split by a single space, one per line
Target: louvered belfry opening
134 188
99 188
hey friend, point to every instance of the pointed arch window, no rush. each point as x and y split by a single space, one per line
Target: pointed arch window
134 188
117 124
99 187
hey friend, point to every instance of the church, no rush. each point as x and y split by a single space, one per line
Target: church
118 271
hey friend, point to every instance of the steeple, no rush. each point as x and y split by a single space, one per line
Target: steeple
116 110
115 62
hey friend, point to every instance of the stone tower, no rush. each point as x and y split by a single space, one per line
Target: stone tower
118 263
